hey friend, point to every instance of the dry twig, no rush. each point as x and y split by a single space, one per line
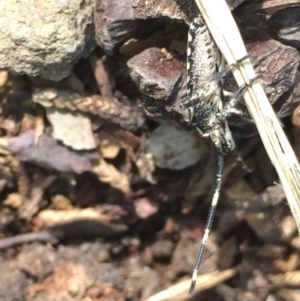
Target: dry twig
101 76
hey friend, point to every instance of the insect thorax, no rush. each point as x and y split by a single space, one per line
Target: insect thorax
204 92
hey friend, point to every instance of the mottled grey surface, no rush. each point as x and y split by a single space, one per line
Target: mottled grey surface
45 37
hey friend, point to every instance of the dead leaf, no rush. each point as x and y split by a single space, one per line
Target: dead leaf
3 78
109 146
50 218
175 149
61 202
14 200
71 128
145 208
107 173
287 279
47 152
39 123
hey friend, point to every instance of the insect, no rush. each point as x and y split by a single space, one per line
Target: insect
206 111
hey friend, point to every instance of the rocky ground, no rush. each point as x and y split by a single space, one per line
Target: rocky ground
105 188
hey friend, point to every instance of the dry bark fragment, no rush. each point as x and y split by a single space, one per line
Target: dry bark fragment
296 131
234 3
172 37
175 10
278 19
285 23
278 64
159 78
119 138
163 83
139 17
115 22
123 136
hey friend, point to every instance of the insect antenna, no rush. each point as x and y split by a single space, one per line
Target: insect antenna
212 210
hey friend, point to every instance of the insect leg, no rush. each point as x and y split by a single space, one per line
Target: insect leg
239 93
191 114
214 202
228 68
240 160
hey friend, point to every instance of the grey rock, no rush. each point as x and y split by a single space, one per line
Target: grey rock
45 38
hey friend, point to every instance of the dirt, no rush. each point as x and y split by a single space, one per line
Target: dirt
112 223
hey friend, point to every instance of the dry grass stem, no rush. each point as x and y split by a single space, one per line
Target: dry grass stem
178 291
